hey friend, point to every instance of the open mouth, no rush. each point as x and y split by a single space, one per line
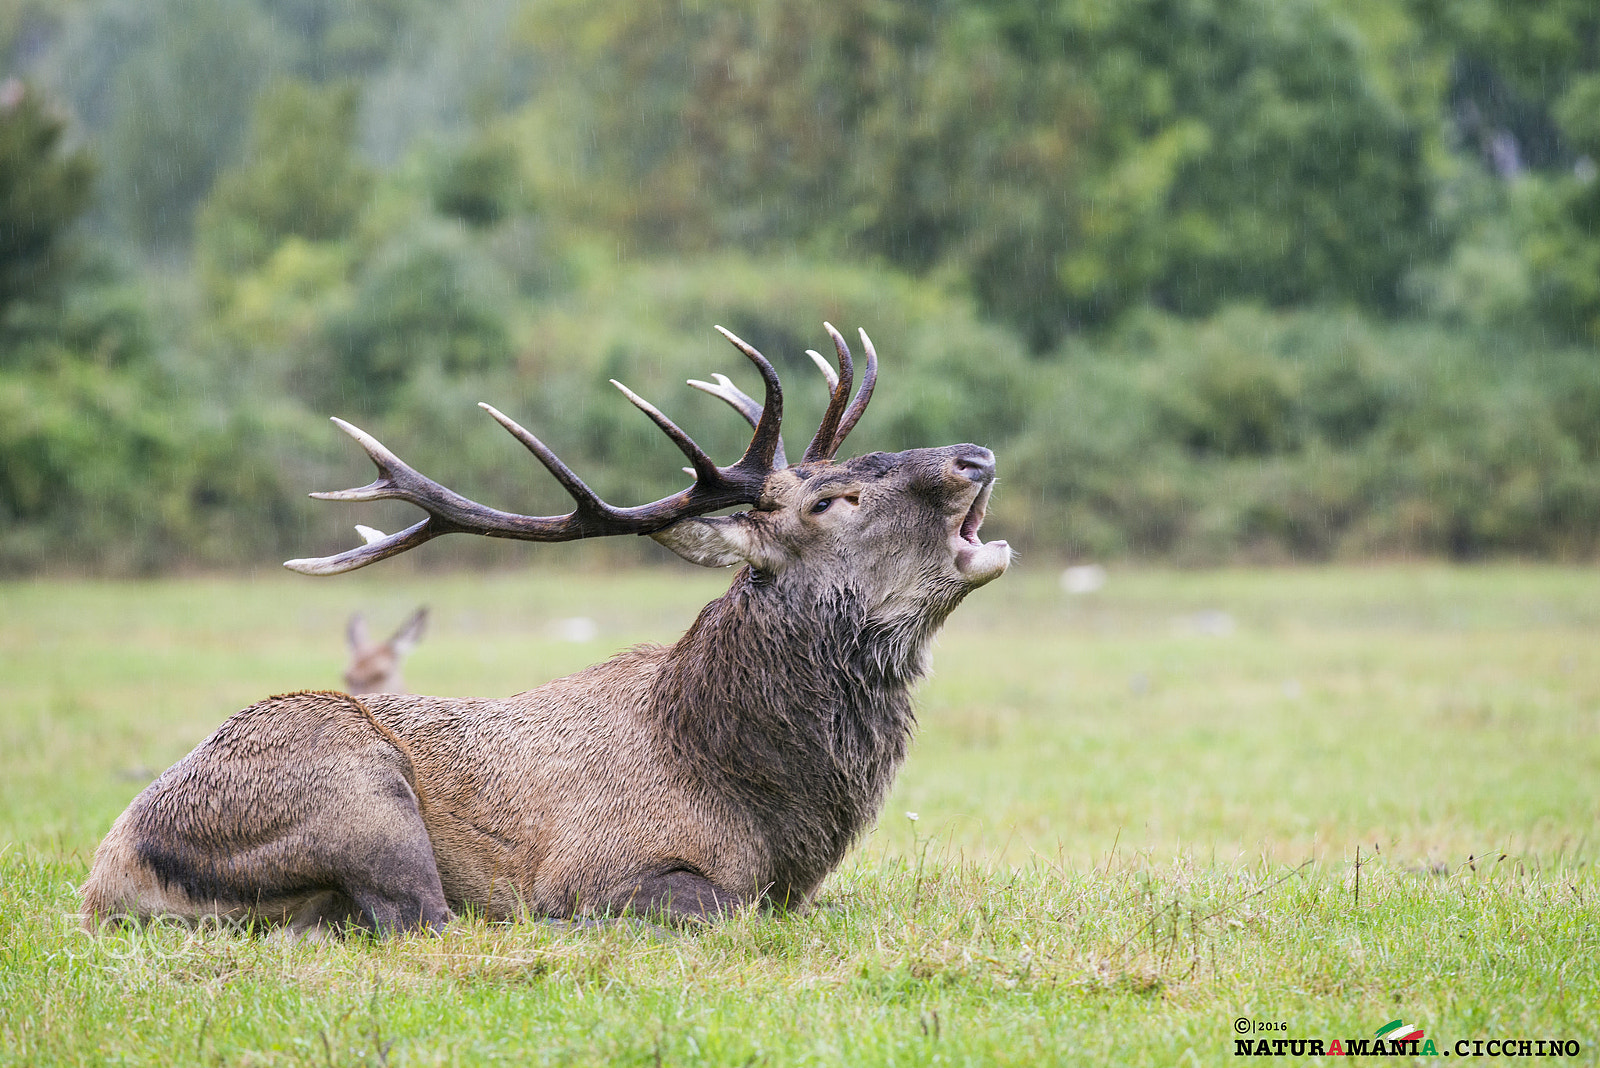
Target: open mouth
968 531
975 560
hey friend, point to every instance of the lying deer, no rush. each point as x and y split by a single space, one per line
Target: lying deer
735 766
375 666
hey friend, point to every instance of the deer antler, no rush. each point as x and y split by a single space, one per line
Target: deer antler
858 405
843 419
449 512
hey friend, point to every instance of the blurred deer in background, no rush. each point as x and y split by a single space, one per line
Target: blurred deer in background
733 767
375 666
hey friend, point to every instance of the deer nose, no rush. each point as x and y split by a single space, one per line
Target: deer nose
974 462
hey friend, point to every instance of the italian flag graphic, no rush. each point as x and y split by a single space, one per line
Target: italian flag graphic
1396 1031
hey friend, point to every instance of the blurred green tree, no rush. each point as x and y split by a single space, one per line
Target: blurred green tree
166 86
338 39
347 286
91 456
1068 161
1244 151
481 184
44 189
1525 100
426 299
301 178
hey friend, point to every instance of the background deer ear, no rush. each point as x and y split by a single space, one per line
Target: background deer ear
720 541
410 633
356 632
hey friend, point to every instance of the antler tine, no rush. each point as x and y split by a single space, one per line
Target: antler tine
370 553
388 464
760 454
744 404
705 469
731 395
869 379
825 367
823 445
715 487
575 487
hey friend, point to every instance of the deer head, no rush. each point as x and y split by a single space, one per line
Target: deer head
375 666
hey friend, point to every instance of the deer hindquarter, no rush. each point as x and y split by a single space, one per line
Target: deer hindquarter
301 810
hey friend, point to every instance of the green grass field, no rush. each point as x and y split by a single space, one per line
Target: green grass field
1138 814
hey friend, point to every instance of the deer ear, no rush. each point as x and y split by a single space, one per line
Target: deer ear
410 633
720 541
356 632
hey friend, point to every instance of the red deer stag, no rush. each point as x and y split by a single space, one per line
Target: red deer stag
375 666
735 766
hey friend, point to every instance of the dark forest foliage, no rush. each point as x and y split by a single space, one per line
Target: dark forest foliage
44 188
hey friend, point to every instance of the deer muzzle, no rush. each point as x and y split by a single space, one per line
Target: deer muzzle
976 561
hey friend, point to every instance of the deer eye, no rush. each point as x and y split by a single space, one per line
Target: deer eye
821 506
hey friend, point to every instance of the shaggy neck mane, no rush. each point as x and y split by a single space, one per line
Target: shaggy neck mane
796 709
